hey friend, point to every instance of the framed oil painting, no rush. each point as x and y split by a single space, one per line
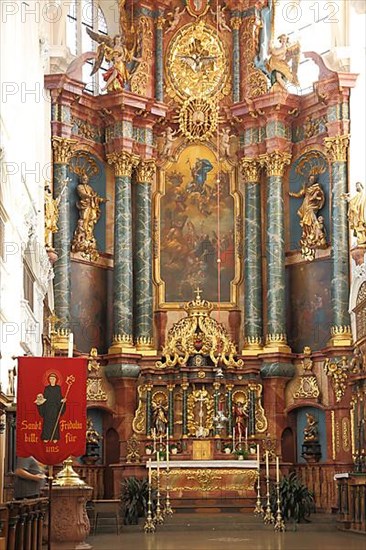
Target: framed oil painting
198 230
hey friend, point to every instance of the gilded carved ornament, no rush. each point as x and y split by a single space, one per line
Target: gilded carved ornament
250 168
256 83
62 149
200 413
207 479
337 148
133 453
307 387
275 162
123 163
337 371
235 23
95 384
198 333
145 171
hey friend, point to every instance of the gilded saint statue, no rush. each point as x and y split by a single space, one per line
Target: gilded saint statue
89 214
283 62
51 215
160 419
313 231
311 432
356 213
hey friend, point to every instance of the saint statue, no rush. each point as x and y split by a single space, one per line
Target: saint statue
356 213
159 417
278 65
313 232
311 432
50 216
89 214
240 416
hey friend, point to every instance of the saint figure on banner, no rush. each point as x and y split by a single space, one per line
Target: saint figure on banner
51 405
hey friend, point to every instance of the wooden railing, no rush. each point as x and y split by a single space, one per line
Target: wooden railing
352 503
319 478
22 524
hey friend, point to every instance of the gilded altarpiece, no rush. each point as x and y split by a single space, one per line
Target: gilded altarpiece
197 239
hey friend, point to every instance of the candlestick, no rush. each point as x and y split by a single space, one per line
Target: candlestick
149 462
70 348
268 516
154 440
279 524
258 510
233 439
267 464
149 526
258 456
159 518
277 469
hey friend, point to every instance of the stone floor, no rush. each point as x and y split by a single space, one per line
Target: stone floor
227 532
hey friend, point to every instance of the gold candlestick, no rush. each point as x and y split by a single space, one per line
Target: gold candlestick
159 517
279 524
268 516
258 510
149 526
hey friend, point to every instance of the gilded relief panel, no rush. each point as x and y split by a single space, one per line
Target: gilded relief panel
197 242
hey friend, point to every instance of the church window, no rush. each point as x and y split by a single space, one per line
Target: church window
85 14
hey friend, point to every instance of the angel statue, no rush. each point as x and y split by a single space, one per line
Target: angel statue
278 65
123 52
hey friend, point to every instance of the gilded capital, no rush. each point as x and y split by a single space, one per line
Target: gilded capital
337 148
123 163
62 149
160 22
275 162
250 168
145 171
235 23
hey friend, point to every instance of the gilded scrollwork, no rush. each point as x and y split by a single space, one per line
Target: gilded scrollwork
198 118
308 385
133 453
207 479
140 79
139 421
338 371
198 333
200 413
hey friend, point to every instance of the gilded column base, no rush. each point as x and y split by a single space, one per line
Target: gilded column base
341 336
60 339
145 346
122 343
276 343
252 345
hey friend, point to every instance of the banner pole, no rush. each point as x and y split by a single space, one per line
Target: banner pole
50 480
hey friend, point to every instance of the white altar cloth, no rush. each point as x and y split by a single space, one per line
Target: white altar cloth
248 464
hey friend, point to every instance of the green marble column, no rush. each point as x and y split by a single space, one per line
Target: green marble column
276 338
159 54
235 23
337 153
171 410
184 410
229 401
148 409
62 152
142 260
253 324
122 273
216 386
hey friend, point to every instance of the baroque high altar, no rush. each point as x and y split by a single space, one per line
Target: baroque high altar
198 229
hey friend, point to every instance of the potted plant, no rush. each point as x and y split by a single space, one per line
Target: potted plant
148 449
297 501
241 454
134 499
227 448
173 448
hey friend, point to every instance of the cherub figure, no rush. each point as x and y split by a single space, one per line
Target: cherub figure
225 142
176 14
221 21
168 142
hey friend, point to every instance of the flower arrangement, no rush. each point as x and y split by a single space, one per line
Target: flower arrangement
227 448
241 454
148 449
173 447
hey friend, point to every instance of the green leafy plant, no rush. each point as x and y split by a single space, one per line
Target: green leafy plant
241 452
297 501
134 498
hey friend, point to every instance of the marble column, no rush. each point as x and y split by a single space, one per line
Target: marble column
62 152
253 324
252 402
159 65
216 386
235 25
275 163
148 408
337 148
171 409
184 386
229 402
122 273
142 260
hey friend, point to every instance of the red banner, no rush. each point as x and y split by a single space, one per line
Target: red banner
51 408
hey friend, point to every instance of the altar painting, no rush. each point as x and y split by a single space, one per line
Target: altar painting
196 221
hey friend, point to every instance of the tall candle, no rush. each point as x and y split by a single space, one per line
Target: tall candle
246 435
157 462
239 437
267 465
167 448
277 469
70 350
154 438
258 457
233 437
149 471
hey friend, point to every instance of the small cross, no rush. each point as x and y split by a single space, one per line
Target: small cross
198 294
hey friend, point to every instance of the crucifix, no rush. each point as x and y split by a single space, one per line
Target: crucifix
198 292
